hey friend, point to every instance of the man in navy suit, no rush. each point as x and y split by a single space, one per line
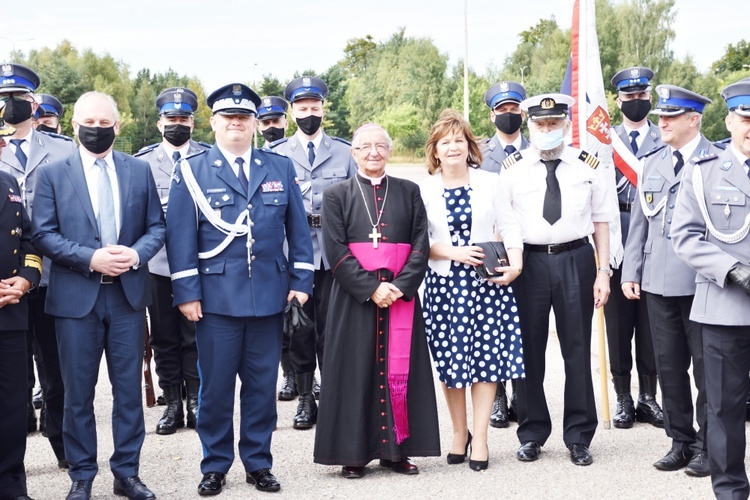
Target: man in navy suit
98 218
231 208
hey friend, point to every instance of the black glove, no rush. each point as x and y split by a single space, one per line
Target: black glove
296 322
740 274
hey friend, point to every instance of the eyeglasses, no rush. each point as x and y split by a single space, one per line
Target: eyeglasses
25 96
380 148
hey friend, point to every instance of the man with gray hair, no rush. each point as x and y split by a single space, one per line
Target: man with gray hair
98 218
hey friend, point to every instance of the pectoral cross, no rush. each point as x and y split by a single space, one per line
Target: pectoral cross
375 235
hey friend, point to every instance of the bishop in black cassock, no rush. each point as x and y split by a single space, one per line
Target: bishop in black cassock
378 401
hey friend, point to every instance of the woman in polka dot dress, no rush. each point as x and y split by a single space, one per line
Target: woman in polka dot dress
471 324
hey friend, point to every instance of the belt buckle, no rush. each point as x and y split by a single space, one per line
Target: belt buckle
106 279
314 220
551 249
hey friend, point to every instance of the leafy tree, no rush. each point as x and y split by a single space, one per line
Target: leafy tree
358 55
478 111
736 58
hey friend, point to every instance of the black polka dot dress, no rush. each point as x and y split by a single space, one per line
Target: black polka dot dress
472 326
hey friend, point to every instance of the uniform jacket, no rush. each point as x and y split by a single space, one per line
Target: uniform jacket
161 169
17 255
493 155
726 191
333 163
649 254
65 230
226 284
490 211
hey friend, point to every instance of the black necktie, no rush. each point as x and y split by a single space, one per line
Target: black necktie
510 149
19 152
680 162
747 164
241 172
175 157
311 153
633 144
552 210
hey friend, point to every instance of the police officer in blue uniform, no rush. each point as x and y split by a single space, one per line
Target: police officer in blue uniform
668 284
231 210
47 116
627 320
20 269
172 336
272 122
504 99
710 233
320 161
28 149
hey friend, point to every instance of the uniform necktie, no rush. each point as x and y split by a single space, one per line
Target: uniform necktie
552 209
510 149
241 172
107 222
311 153
680 162
747 164
19 152
175 157
633 143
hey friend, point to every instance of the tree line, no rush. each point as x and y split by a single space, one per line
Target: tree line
405 82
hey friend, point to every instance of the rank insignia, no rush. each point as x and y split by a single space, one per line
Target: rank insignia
653 134
589 159
726 165
14 198
649 197
217 163
510 160
225 197
160 156
33 261
663 154
272 187
257 161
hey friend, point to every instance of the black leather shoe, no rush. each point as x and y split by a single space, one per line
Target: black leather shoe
192 388
625 412
580 454
160 400
263 480
307 408
22 497
674 460
30 414
455 458
173 417
499 416
649 411
211 483
698 466
316 387
80 490
405 466
288 389
529 451
352 472
133 488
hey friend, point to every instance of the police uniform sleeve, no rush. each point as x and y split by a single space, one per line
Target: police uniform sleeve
182 241
300 253
632 262
688 234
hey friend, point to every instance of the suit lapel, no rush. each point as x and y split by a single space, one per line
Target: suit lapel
165 163
666 166
258 173
224 170
299 154
735 174
323 152
122 169
78 179
37 152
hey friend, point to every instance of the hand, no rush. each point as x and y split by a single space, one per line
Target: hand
113 260
12 289
740 275
601 290
301 296
192 310
468 255
632 291
384 296
508 274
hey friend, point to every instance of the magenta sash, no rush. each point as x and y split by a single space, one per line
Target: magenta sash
393 256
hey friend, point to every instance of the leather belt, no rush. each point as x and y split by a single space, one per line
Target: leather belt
314 220
557 248
106 279
625 207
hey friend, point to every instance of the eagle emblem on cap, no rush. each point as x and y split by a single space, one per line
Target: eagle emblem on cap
547 103
306 82
7 70
177 96
267 102
664 93
237 89
504 86
635 73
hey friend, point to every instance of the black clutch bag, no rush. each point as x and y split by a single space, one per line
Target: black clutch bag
495 255
296 322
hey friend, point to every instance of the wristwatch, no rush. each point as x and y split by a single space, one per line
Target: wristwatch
605 270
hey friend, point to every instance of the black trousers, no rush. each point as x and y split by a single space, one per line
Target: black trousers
726 358
564 283
677 344
13 393
625 320
42 326
303 349
172 336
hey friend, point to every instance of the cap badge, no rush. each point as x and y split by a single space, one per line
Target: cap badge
236 89
664 93
7 70
306 82
504 87
267 102
547 103
177 97
635 73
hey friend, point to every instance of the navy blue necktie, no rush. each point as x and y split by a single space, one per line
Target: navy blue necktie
747 164
633 144
175 157
241 172
510 149
311 153
680 162
19 152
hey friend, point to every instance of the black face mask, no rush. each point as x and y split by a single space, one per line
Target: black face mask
272 134
309 124
176 134
17 111
96 139
508 123
44 128
636 110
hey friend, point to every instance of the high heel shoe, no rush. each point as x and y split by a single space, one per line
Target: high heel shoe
455 458
479 465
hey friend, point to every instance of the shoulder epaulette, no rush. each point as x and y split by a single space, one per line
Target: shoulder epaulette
655 150
722 144
267 149
146 149
276 143
205 144
510 160
341 140
589 159
57 136
704 158
195 154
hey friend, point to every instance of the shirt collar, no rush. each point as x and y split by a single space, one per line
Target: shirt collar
169 149
88 161
303 140
742 158
642 130
516 143
688 150
232 158
375 181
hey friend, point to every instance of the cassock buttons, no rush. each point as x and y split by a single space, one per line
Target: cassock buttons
18 214
15 271
15 251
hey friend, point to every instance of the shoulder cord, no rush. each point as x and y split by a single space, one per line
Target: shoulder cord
731 239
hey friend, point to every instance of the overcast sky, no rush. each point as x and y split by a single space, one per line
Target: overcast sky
222 42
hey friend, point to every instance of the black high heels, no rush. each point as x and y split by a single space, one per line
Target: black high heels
455 458
480 465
